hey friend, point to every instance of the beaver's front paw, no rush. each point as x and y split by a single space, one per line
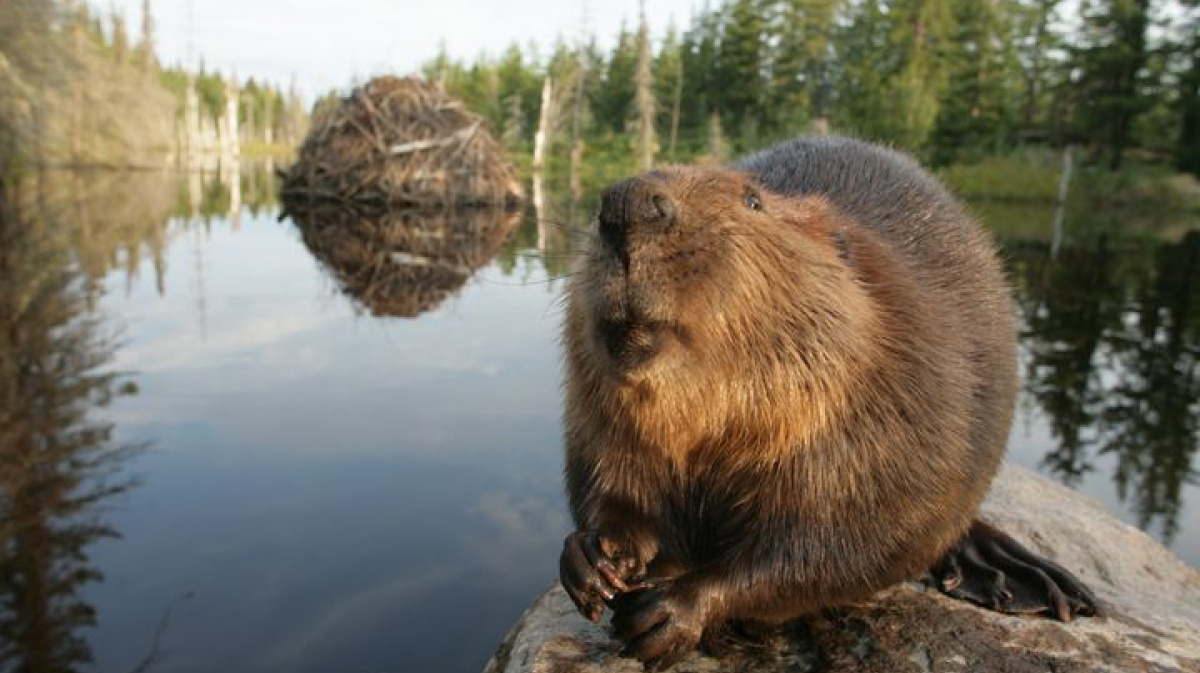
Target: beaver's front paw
661 623
594 570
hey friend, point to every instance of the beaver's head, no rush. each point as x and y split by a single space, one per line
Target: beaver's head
691 267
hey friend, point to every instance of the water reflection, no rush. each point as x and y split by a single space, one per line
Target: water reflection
58 461
1111 338
340 491
401 263
62 236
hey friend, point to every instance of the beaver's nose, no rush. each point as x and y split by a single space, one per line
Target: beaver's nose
636 204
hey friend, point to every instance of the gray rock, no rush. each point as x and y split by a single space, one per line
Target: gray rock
1150 597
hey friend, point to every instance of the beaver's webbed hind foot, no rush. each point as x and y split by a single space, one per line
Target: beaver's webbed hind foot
989 568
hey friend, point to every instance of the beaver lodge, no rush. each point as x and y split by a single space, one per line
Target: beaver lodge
402 262
402 141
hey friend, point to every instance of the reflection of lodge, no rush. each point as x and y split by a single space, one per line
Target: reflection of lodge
1113 338
403 262
57 463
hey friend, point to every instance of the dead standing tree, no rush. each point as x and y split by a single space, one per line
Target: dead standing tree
647 139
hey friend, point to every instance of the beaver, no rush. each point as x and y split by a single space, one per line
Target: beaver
789 383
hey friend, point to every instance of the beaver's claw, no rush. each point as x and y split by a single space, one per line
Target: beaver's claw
594 572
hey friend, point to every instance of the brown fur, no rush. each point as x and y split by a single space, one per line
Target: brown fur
829 386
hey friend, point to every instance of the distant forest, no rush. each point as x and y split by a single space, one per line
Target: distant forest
950 80
77 89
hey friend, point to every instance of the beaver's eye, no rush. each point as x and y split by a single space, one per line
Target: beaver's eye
752 201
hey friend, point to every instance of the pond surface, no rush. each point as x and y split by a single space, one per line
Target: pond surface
233 443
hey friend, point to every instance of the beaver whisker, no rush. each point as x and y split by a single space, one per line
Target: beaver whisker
542 281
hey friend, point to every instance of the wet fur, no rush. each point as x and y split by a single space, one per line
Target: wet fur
831 389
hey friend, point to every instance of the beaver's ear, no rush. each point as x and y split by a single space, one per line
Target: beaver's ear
814 207
819 220
812 212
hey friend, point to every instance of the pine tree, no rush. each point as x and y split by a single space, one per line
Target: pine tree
613 102
919 36
741 67
520 91
700 95
669 85
801 65
1188 152
862 44
977 111
1111 61
1035 41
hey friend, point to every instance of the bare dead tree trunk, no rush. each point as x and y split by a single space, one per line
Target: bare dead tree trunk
546 122
76 96
644 81
540 140
577 130
1060 208
716 138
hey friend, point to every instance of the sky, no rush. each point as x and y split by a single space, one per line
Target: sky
328 44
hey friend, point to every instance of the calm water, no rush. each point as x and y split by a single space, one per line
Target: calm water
232 443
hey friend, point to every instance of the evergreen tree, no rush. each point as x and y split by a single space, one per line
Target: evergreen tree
977 110
1111 59
862 45
1188 152
1036 42
741 68
479 88
801 66
613 102
520 91
920 34
946 79
700 95
669 86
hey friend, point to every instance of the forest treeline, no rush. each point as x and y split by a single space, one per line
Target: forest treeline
76 88
947 79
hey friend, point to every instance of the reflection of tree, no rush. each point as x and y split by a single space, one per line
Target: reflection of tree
115 221
1149 421
1067 307
1113 336
57 463
259 187
402 262
551 236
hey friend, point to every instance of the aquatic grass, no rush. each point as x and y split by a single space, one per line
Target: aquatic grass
1032 175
